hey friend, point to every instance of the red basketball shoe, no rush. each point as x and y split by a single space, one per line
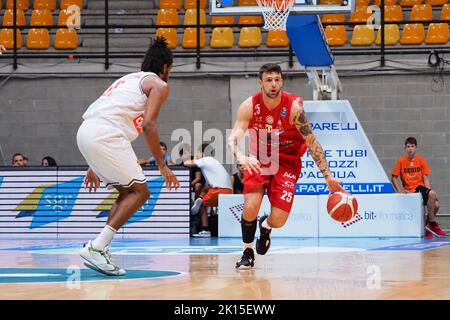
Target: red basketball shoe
435 229
428 235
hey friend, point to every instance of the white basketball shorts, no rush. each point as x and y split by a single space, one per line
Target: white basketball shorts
109 153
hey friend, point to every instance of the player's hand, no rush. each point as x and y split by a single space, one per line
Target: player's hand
169 177
334 185
2 48
251 164
91 181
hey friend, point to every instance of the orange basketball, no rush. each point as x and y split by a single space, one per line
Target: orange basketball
342 206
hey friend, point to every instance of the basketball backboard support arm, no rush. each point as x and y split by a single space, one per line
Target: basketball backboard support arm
326 85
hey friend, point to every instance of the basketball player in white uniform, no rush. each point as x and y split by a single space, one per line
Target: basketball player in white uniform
128 107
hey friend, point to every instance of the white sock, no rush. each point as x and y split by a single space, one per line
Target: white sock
266 225
104 238
248 245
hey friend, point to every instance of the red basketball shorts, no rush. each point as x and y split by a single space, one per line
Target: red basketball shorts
280 186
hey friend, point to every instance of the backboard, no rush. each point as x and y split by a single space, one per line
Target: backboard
249 7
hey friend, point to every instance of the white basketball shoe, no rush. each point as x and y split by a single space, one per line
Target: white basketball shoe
100 260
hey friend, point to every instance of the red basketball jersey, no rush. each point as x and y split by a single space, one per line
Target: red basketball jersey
266 126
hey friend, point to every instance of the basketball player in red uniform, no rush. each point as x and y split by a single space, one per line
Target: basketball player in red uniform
279 135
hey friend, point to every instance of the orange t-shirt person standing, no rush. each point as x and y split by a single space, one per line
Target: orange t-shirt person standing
413 171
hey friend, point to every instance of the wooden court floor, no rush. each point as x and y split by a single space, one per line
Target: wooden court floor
288 271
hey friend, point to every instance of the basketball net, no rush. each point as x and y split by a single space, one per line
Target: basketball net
275 13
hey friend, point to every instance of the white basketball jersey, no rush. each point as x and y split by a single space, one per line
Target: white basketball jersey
123 103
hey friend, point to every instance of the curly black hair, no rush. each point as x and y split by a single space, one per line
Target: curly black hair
157 55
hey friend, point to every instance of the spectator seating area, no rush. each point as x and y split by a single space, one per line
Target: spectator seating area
41 16
43 25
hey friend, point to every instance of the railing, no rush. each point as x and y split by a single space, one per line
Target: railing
200 54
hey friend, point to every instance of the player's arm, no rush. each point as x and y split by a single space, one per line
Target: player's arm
243 117
302 124
157 91
2 48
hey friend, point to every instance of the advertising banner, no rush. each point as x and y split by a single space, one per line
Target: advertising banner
53 203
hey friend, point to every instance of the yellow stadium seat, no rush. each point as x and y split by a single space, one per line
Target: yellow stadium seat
247 3
333 18
360 3
7 38
170 34
21 4
41 17
38 39
363 35
166 17
360 15
336 35
410 3
438 33
170 4
393 13
67 3
44 4
413 33
330 1
190 38
436 2
250 20
222 37
445 12
192 4
277 38
68 17
8 18
62 18
421 12
391 35
386 2
190 17
250 37
66 39
220 20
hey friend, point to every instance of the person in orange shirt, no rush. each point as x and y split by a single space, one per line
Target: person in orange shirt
413 171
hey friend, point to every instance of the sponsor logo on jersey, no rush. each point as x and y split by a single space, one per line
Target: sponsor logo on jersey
269 119
138 121
283 112
289 175
289 184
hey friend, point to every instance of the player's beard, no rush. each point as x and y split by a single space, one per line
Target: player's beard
271 95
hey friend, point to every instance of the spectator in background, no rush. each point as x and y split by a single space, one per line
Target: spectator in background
48 162
195 174
18 160
25 160
166 157
218 182
237 180
413 171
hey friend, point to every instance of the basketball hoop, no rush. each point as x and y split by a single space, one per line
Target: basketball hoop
275 13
